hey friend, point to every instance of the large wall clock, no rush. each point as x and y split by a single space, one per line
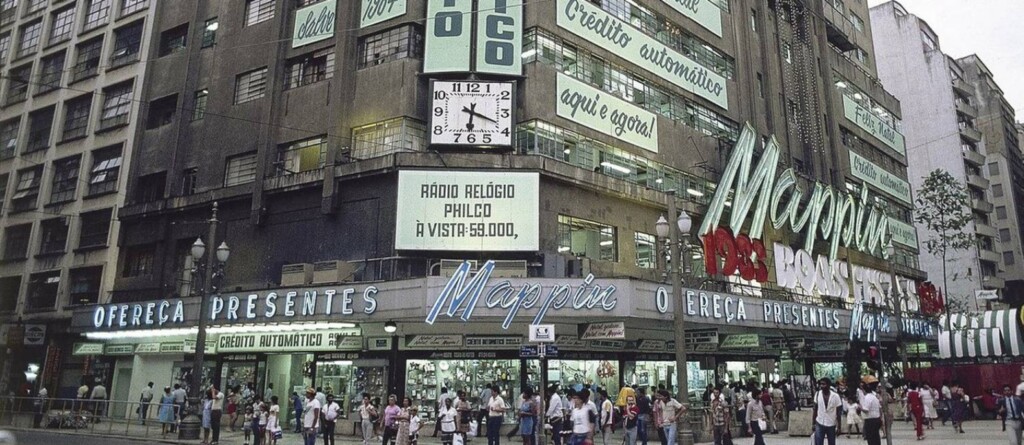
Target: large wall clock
472 113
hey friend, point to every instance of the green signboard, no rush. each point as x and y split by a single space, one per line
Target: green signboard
602 29
499 37
314 23
703 12
449 36
741 341
870 123
903 233
376 11
601 111
872 174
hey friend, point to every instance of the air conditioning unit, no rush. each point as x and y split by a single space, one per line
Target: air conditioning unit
335 271
448 267
296 274
509 269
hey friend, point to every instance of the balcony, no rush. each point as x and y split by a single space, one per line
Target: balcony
841 32
970 132
993 282
962 87
988 255
981 205
973 157
966 109
977 181
985 230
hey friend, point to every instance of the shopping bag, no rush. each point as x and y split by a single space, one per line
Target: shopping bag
763 424
458 440
473 429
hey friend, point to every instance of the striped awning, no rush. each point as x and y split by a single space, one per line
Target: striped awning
985 334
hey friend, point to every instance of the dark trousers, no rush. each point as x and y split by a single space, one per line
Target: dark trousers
481 419
143 412
494 429
328 427
389 434
661 436
298 421
741 417
718 432
556 431
257 434
872 431
215 416
758 434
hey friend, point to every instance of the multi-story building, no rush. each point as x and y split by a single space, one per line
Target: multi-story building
1005 168
72 73
942 116
360 154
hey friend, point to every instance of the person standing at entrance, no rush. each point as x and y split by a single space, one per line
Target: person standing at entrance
915 406
310 417
216 412
671 409
331 412
495 416
658 417
166 414
719 417
756 423
144 400
871 410
367 414
391 413
438 405
481 418
554 414
179 402
99 400
826 413
1011 408
643 403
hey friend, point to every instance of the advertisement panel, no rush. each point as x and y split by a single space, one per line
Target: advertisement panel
499 37
324 340
314 23
881 179
870 123
903 233
602 29
376 11
449 35
703 12
601 111
467 211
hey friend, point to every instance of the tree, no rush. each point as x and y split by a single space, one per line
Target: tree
942 206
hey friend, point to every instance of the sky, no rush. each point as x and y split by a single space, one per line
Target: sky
992 29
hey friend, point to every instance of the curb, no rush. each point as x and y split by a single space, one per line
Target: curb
65 432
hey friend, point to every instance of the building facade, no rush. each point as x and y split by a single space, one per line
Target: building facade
943 106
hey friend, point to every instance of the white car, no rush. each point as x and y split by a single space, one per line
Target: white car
7 438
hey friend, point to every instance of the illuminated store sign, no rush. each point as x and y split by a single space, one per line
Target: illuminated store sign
139 314
870 123
288 304
606 31
733 310
597 109
701 11
314 23
870 173
322 340
376 11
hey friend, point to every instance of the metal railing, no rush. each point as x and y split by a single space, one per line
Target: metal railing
109 417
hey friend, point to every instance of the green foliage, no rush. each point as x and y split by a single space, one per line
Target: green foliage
942 206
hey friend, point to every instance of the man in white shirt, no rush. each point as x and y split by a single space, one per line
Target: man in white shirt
554 414
495 416
310 417
216 412
144 399
947 396
827 407
331 411
485 396
99 397
437 408
871 412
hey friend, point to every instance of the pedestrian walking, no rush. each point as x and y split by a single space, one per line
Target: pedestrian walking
527 415
145 398
233 400
207 414
99 400
414 426
484 398
274 431
778 404
769 410
756 422
871 411
960 404
826 413
583 419
643 421
404 415
297 407
607 414
495 416
216 412
367 417
310 417
167 413
741 400
915 407
630 420
447 416
853 420
1011 408
179 402
331 412
671 410
719 411
438 404
465 411
945 400
658 417
928 399
390 420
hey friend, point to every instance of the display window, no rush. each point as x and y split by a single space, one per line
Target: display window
742 372
659 374
426 378
370 380
590 374
835 371
240 371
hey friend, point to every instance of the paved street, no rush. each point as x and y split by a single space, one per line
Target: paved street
981 432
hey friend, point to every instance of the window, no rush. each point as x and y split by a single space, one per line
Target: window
51 73
760 85
1001 212
35 5
8 12
117 104
65 179
87 59
62 23
10 288
130 6
858 23
29 38
127 41
106 168
9 137
85 285
162 111
993 169
40 125
251 85
95 229
309 68
997 190
17 83
16 240
76 117
300 156
646 250
1004 235
5 47
173 40
210 33
27 189
240 169
387 137
138 261
189 179
54 237
199 104
150 187
787 52
96 12
394 44
258 11
4 178
584 238
42 290
753 20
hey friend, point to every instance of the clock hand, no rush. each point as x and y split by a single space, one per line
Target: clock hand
469 125
473 112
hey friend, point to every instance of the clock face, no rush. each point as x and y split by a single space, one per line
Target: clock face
469 113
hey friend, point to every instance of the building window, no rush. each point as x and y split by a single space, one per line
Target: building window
189 179
10 288
1001 212
240 169
127 41
584 238
1008 258
387 137
258 11
29 38
85 285
993 169
753 20
1004 235
309 68
76 117
199 104
760 85
65 179
54 237
95 229
62 23
173 40
17 83
4 178
42 290
997 190
130 6
40 125
9 137
87 59
16 240
251 85
150 187
858 23
96 13
138 261
51 73
210 33
106 168
5 47
8 12
35 5
117 104
394 44
646 250
301 156
787 52
27 190
162 111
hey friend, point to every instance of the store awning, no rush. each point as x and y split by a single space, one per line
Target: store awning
985 334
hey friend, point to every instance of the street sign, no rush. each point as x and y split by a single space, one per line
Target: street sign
551 351
528 351
542 333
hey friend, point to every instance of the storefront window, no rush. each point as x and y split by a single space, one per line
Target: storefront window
240 371
741 372
334 377
589 374
663 373
426 378
834 371
370 380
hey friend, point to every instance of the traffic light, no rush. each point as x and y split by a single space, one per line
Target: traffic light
873 361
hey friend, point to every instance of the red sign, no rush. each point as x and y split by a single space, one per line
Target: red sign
932 302
726 254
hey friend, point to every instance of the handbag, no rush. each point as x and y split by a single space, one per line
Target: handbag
762 424
278 434
727 437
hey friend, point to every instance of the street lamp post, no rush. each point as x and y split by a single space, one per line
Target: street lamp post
683 226
211 271
898 307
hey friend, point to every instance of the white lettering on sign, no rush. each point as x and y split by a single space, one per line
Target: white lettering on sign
795 314
311 302
732 309
139 314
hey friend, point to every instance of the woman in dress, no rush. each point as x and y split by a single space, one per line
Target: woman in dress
207 416
166 414
273 422
447 416
960 404
928 398
403 422
852 414
527 417
233 399
465 411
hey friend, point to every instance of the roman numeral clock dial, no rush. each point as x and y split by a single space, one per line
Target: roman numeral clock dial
472 113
